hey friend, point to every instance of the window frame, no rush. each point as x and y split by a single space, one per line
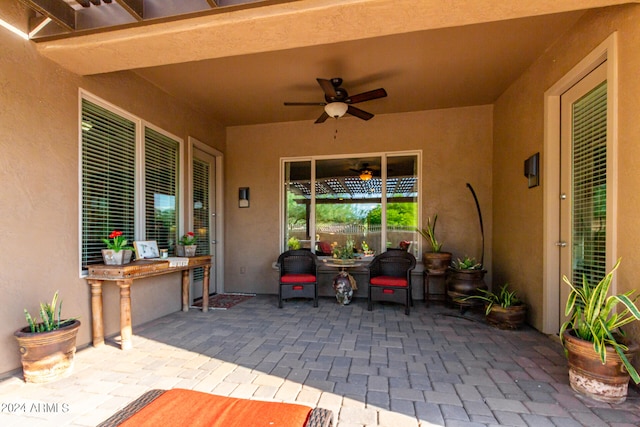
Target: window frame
313 159
139 174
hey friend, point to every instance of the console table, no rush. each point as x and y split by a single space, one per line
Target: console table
124 275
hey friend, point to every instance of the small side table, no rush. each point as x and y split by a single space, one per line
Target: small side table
426 275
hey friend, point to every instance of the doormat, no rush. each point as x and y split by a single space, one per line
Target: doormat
224 301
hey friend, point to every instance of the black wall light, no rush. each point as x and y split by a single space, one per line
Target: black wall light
532 170
243 197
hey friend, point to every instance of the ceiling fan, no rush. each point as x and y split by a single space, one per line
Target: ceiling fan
338 102
365 173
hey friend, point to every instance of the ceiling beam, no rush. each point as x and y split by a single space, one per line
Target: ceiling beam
134 7
59 12
95 2
212 3
84 3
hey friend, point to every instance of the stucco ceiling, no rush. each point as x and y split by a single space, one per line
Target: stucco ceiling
240 67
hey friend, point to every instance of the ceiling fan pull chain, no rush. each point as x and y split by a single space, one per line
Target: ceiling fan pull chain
335 134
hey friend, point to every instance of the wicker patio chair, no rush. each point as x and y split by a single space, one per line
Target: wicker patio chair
298 276
390 278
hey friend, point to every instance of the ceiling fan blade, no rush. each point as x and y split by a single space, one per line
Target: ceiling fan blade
324 116
327 87
367 96
297 104
361 114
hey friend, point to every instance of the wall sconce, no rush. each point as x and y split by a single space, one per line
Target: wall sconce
243 197
532 170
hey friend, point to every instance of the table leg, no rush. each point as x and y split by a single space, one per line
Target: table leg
125 314
205 288
97 325
185 290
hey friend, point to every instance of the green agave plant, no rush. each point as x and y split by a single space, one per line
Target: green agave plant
429 234
50 319
593 318
505 298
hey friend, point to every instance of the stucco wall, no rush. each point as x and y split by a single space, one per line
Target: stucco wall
456 148
39 192
519 127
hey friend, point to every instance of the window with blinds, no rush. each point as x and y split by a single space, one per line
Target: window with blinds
589 185
201 214
161 188
108 179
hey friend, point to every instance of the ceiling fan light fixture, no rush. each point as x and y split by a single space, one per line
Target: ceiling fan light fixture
336 109
366 175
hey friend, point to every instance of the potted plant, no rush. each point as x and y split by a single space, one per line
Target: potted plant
344 254
435 261
187 245
117 252
293 243
464 278
47 347
598 351
504 309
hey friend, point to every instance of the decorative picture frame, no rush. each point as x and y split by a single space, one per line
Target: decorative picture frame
146 249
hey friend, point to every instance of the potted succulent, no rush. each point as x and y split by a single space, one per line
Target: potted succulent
47 347
187 245
436 261
117 252
504 309
598 351
344 254
464 278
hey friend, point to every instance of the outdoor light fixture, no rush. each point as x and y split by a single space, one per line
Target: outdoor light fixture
366 175
336 109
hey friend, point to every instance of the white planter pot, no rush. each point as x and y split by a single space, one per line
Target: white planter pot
186 250
111 257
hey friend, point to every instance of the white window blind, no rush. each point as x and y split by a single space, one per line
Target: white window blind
589 185
201 214
161 188
108 179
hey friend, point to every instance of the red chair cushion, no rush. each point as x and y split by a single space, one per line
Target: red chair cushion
298 278
389 281
325 247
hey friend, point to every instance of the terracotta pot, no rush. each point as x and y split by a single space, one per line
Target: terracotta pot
463 283
436 262
607 382
507 318
111 257
47 356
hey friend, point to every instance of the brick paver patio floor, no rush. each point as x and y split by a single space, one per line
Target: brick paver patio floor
380 368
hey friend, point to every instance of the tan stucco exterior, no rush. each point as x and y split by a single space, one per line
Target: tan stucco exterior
519 132
39 193
483 145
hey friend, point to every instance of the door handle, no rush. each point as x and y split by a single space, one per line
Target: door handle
561 244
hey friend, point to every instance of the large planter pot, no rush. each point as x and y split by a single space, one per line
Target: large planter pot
111 257
186 250
436 262
607 382
507 317
47 356
463 283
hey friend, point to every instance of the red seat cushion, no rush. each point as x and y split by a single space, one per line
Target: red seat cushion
389 281
188 408
298 278
325 247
